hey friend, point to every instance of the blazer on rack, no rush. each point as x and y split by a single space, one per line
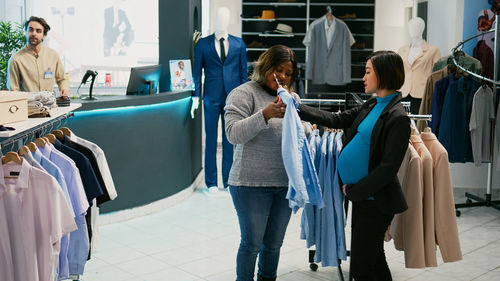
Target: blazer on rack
329 64
220 78
417 73
389 142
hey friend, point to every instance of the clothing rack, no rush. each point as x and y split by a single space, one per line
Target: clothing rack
35 131
487 200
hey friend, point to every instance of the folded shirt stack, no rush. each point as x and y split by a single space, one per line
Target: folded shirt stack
39 103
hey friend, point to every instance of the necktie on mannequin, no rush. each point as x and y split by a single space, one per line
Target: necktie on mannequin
222 50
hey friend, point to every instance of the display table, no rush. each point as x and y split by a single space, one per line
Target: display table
32 123
152 145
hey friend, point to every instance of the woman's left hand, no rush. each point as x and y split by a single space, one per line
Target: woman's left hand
344 188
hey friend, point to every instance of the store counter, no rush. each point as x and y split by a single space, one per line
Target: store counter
152 145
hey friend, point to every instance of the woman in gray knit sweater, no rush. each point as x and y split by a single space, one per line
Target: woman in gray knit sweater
257 181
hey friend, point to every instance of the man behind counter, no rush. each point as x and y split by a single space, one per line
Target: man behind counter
35 67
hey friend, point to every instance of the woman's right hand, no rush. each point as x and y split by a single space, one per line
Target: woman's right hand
275 109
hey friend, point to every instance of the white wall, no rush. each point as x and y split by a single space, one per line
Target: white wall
391 21
445 23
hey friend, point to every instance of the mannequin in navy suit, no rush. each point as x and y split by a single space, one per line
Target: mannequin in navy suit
223 73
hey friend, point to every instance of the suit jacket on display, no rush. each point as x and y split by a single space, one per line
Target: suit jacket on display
417 73
389 142
329 64
220 78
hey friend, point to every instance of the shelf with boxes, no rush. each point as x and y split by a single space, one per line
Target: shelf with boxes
265 24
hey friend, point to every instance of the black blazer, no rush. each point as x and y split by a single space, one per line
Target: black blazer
389 142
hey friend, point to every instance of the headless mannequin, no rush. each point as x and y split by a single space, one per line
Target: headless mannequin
415 29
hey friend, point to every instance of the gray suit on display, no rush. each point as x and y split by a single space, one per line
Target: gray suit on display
332 64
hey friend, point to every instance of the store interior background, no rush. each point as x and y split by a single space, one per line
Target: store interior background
448 23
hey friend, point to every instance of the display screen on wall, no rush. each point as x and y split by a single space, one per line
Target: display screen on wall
106 36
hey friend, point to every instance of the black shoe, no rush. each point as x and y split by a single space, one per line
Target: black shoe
261 278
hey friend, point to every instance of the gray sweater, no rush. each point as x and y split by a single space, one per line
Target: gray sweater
257 157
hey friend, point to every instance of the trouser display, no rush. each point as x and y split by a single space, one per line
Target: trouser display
212 112
368 260
263 215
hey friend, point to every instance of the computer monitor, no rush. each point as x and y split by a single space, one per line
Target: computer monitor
144 80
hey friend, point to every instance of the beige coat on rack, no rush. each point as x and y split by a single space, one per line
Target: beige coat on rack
445 220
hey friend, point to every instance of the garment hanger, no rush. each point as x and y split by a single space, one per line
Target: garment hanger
59 134
24 150
66 131
32 146
315 126
329 13
51 137
427 130
40 142
12 156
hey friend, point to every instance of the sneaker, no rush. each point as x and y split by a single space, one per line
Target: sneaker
213 190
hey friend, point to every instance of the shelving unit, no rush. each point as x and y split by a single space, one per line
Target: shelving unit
359 15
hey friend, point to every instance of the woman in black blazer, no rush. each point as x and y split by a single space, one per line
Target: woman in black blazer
376 136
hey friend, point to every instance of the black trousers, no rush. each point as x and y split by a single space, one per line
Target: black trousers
367 244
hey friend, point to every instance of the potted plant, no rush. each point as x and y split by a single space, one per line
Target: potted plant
11 40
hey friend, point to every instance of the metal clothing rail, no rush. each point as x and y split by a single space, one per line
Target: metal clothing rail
35 131
423 117
487 200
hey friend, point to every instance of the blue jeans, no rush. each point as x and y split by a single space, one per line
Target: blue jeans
263 214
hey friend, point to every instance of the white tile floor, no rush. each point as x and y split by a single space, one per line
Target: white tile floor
198 238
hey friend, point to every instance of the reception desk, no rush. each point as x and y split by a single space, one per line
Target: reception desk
152 145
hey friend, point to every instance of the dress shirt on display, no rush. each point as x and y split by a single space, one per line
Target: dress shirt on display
307 37
483 112
35 219
303 187
101 162
95 167
417 73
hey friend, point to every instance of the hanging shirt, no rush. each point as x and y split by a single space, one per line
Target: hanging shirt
338 203
95 167
54 170
35 216
307 37
329 30
101 162
483 112
303 184
354 159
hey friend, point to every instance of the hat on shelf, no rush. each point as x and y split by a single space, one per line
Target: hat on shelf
267 15
283 28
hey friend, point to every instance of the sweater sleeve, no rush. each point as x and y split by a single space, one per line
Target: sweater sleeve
242 124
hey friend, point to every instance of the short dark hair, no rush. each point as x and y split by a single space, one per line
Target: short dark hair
46 26
389 68
272 58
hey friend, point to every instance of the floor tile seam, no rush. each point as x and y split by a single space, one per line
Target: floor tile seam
135 275
191 273
477 249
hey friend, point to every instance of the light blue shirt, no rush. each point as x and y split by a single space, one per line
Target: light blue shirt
79 239
338 204
303 184
52 169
